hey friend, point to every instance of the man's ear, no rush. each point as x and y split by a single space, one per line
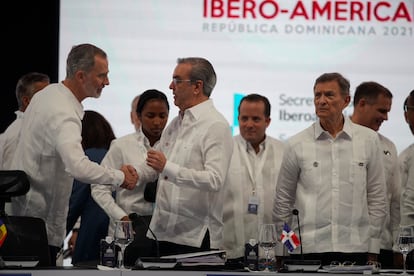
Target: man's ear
362 102
25 102
199 86
80 75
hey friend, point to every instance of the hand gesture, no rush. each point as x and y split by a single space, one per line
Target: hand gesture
156 160
131 177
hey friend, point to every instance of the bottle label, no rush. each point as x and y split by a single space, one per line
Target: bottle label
108 254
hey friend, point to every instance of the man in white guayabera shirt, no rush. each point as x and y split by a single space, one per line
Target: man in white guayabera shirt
372 102
50 151
251 180
332 172
192 159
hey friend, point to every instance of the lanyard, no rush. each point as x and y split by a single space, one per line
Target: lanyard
254 173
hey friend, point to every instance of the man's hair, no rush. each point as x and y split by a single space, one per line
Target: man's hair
82 57
341 80
201 69
257 98
411 96
25 85
370 91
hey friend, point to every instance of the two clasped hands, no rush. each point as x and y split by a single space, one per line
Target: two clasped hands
155 159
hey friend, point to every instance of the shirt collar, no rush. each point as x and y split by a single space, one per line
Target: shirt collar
19 114
346 132
195 112
139 134
249 146
71 97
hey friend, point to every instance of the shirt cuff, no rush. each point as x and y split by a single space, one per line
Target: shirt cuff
170 171
374 246
119 177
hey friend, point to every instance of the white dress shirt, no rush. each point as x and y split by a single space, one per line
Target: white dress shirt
249 174
130 149
392 177
338 186
8 141
190 189
406 161
50 152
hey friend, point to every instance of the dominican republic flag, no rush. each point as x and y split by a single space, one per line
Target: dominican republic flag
289 238
3 232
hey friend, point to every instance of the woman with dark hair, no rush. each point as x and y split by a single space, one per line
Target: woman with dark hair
97 135
152 111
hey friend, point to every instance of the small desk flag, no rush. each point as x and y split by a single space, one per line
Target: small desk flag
3 232
289 238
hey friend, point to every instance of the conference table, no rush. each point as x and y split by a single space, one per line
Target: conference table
95 272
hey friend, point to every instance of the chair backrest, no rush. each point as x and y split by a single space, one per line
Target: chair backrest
12 183
26 236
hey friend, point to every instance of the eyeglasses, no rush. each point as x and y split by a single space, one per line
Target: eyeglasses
375 265
408 107
177 81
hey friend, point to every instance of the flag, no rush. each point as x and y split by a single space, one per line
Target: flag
289 238
3 232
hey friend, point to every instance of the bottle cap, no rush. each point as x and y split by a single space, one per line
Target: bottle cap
252 242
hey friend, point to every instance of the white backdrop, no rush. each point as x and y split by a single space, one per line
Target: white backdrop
275 48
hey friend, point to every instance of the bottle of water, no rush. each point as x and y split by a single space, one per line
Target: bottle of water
251 254
108 252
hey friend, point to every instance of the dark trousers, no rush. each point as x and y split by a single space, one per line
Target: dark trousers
170 248
386 258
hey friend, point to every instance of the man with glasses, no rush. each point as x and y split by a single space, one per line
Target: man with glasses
191 163
372 102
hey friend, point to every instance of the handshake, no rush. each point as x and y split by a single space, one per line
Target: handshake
131 177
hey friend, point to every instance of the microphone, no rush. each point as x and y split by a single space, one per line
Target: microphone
135 217
300 264
295 212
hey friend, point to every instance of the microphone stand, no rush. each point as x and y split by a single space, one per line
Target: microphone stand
135 216
301 264
296 213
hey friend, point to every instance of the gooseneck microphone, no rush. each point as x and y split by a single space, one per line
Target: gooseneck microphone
135 217
296 213
301 264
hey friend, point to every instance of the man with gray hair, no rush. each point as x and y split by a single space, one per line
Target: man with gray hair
191 163
49 149
332 173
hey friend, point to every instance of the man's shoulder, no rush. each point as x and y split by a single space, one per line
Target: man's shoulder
385 141
357 128
274 141
406 153
302 135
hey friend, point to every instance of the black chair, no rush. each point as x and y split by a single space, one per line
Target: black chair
26 236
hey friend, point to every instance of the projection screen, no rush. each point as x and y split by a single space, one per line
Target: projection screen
270 47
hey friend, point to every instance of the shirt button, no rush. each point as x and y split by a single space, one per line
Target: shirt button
165 177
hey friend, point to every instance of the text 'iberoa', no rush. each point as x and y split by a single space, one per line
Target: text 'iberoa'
341 10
